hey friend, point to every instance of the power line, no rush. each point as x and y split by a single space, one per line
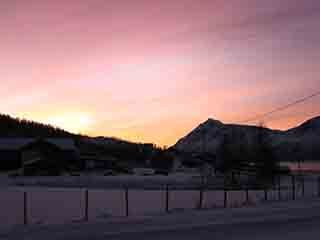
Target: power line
279 109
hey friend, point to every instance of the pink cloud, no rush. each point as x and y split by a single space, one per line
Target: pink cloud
151 70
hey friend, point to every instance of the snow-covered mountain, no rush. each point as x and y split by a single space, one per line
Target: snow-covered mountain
300 142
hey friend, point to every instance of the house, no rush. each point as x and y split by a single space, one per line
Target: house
96 161
203 163
38 156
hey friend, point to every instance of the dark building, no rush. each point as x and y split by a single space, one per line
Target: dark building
47 156
97 161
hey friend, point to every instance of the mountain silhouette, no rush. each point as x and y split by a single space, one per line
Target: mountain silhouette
301 142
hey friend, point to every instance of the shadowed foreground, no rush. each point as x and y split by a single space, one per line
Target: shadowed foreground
291 229
290 220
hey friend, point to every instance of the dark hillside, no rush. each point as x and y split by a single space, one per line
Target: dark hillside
15 127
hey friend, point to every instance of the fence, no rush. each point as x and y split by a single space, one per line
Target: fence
39 206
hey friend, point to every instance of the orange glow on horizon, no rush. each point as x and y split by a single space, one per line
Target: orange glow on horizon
163 132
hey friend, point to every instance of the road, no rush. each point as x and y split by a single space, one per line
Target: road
293 230
285 220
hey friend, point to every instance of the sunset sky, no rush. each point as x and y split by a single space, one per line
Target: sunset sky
151 70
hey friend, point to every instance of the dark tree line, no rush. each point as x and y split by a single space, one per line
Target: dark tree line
127 153
16 127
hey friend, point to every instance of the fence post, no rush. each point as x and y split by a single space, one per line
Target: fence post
86 205
303 188
167 198
247 194
201 197
279 188
318 186
25 208
126 191
265 194
293 187
225 202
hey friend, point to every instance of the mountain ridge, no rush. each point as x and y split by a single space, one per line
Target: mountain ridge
297 142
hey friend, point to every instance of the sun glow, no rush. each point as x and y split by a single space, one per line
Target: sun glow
74 122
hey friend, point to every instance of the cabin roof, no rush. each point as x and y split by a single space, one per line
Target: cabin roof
14 144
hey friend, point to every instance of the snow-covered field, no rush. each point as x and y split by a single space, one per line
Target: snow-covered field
104 182
277 220
64 205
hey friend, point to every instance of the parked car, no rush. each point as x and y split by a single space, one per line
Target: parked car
109 173
144 171
161 172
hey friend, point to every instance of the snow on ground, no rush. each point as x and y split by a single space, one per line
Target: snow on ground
57 205
266 217
94 181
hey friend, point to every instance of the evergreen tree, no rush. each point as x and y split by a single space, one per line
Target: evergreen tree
263 156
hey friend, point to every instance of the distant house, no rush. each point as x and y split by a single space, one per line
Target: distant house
203 163
96 161
38 156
